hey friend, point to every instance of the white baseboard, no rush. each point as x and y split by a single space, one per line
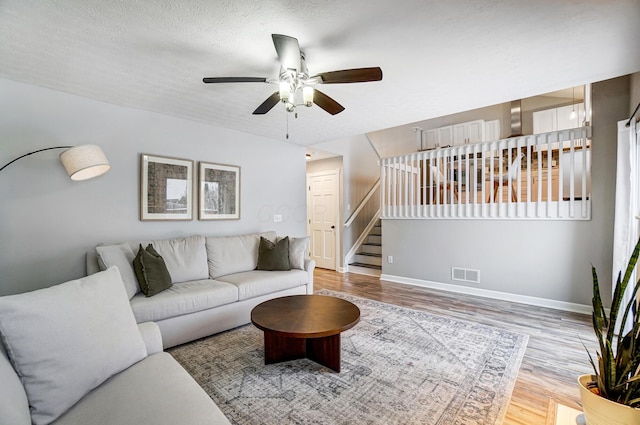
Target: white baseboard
486 293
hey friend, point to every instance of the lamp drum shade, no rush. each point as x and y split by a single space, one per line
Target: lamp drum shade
84 162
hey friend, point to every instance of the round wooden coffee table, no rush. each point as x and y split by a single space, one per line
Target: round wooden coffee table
304 326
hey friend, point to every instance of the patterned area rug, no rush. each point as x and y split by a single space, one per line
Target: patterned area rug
399 366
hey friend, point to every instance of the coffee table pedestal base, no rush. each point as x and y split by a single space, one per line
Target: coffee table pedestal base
323 350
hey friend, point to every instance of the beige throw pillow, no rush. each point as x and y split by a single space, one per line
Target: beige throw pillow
297 251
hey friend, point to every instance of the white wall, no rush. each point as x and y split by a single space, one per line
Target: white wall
543 259
48 221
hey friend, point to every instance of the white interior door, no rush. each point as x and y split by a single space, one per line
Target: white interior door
323 205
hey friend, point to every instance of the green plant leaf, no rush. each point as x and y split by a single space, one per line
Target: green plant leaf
618 294
630 309
617 369
593 365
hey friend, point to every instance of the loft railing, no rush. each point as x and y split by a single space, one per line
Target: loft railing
541 176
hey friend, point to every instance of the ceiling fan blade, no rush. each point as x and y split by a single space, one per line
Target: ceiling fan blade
356 75
267 104
288 51
327 103
234 80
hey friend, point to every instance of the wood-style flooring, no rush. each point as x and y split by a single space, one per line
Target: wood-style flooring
554 358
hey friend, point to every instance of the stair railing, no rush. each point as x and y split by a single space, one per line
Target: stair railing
361 239
362 204
362 207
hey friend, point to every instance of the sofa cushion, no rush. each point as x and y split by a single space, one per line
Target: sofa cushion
233 254
297 251
156 390
259 282
151 271
65 340
13 400
121 256
186 258
273 256
183 298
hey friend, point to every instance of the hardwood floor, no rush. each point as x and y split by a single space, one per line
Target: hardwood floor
554 358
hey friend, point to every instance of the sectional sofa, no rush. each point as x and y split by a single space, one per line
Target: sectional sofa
215 281
90 351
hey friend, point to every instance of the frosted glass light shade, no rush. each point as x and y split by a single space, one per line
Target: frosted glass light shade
85 162
285 91
307 95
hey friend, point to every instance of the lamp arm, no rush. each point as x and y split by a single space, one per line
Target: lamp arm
31 153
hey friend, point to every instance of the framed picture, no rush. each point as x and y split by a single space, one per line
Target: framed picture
166 188
218 191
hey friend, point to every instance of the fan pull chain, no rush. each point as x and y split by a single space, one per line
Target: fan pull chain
287 126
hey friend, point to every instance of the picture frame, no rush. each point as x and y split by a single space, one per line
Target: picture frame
166 188
218 191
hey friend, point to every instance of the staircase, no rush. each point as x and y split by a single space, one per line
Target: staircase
368 259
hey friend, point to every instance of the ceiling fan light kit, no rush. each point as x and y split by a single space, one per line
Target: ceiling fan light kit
307 95
294 78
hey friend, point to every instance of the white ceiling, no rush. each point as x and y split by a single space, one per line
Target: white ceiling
437 57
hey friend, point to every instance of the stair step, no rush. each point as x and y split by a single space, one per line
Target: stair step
371 239
365 270
370 249
367 258
366 266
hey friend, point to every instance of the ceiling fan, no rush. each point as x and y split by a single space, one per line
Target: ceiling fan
294 78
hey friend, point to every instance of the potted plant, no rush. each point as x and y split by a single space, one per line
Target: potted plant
612 394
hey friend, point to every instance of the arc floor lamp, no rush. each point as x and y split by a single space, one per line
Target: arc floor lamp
81 162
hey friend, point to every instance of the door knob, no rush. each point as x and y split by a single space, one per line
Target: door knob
333 227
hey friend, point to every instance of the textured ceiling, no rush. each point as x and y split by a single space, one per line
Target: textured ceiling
438 57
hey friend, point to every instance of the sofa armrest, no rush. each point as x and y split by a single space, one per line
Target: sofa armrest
91 262
151 336
309 266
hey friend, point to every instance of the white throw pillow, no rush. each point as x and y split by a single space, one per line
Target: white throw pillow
121 256
297 251
186 258
234 254
65 340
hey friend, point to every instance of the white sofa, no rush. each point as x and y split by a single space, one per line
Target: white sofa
215 284
73 354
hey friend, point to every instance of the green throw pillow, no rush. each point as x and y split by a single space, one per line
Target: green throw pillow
151 271
273 256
